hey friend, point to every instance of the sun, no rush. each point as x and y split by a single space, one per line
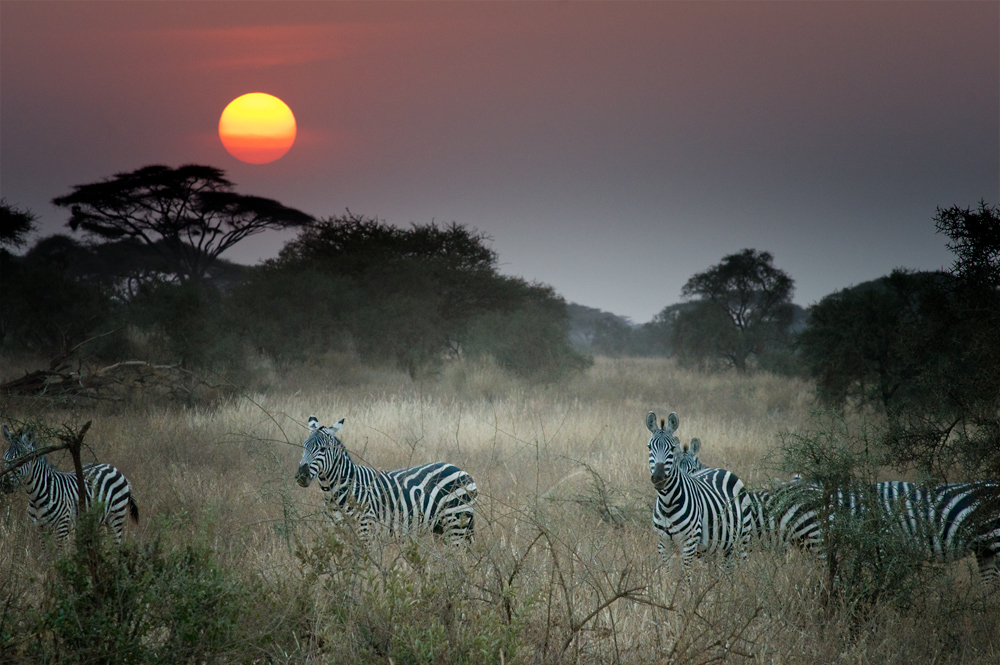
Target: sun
257 128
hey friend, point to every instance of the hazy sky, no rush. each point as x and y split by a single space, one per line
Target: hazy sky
611 150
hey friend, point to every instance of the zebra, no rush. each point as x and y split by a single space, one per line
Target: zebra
688 461
697 513
781 514
947 521
53 496
437 497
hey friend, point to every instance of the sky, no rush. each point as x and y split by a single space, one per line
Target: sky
609 149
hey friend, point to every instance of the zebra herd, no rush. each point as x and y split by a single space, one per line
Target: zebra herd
703 510
698 510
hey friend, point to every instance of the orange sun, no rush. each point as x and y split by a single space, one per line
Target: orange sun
257 128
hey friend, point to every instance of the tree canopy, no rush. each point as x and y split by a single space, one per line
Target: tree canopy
15 224
923 349
190 214
743 307
410 295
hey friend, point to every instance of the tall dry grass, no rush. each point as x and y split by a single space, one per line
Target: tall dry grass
564 565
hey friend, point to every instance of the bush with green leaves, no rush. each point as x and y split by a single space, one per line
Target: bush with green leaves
869 557
48 307
137 603
414 607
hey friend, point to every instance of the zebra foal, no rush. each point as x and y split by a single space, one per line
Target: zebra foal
698 513
436 497
54 496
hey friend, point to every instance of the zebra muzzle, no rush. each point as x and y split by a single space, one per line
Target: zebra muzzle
302 477
658 477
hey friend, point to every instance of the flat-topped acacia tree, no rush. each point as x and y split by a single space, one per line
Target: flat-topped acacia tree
190 214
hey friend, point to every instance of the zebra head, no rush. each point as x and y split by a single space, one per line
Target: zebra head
18 445
663 448
319 452
688 461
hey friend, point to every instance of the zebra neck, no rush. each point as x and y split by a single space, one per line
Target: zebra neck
672 489
39 472
342 476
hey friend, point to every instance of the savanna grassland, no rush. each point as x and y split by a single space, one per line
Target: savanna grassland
233 562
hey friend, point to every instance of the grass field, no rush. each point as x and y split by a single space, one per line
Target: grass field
564 565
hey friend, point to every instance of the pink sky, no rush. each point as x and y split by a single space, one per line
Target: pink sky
610 149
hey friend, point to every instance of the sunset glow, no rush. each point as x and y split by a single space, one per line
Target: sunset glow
257 128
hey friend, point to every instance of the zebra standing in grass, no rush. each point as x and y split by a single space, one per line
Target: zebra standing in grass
783 514
54 496
948 521
697 513
435 497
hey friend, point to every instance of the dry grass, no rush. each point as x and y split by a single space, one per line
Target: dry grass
564 566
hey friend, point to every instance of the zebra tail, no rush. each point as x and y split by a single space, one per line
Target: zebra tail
133 509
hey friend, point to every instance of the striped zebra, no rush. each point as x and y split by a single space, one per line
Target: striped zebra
53 496
688 461
948 521
696 513
783 514
436 497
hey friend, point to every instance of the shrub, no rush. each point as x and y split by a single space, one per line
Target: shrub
138 603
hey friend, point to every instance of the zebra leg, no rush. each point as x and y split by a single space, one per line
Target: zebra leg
666 552
989 568
116 523
688 553
458 527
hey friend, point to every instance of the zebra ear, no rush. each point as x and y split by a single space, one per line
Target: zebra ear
336 428
313 423
672 423
7 434
695 446
651 421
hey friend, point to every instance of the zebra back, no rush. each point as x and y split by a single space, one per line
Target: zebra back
785 514
947 521
780 514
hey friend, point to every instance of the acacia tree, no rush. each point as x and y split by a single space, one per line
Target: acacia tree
744 307
15 224
190 214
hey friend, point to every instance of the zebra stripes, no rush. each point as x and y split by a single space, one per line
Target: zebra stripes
948 522
435 497
698 513
688 461
780 515
54 496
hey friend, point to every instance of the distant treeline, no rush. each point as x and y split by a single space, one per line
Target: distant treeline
151 285
921 348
